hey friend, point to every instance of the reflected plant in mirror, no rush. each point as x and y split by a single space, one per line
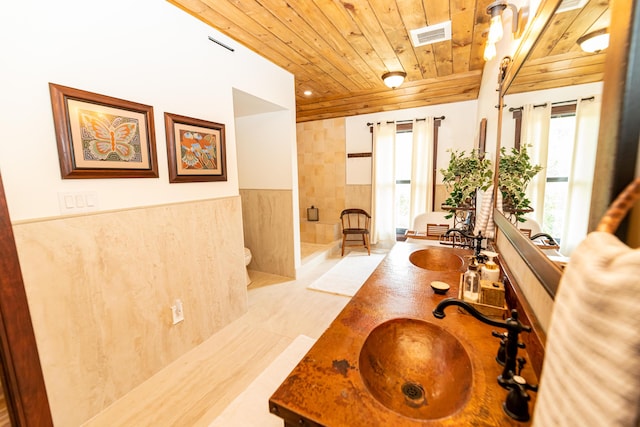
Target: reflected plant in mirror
515 173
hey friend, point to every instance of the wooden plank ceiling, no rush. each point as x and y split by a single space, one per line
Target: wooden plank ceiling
556 60
339 49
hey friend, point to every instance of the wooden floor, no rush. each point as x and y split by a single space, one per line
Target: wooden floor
196 388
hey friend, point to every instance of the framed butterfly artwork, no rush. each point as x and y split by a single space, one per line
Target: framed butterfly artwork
102 137
195 149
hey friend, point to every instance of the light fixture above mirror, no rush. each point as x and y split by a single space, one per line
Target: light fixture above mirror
496 32
394 79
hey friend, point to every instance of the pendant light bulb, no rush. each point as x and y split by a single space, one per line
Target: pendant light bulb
489 51
495 29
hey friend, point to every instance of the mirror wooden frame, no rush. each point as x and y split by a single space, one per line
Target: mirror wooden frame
618 135
22 377
546 271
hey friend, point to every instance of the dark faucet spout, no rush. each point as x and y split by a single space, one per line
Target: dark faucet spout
550 240
439 312
512 325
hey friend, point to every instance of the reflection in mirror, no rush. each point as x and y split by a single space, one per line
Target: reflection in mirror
559 128
556 60
552 104
549 77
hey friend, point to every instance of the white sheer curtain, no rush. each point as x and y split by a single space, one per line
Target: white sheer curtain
535 132
383 183
421 156
576 219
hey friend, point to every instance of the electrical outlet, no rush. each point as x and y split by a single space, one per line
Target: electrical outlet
177 312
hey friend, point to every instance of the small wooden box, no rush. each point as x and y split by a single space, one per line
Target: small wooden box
492 293
490 311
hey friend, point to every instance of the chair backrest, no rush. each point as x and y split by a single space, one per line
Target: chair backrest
436 230
421 221
531 225
355 219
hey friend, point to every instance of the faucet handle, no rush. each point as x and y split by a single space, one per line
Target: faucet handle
501 356
501 335
516 404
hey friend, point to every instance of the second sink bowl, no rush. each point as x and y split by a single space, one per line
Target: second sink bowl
416 369
436 259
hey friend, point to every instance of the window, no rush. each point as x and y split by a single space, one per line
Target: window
401 182
404 142
561 143
561 139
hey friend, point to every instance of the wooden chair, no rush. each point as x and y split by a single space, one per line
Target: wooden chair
434 231
355 222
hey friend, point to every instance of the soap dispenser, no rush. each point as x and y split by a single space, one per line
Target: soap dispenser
471 284
490 271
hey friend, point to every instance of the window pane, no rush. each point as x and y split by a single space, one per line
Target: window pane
561 141
403 155
555 196
561 134
403 198
404 142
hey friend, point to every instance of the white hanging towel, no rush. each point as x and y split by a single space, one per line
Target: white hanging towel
591 371
484 215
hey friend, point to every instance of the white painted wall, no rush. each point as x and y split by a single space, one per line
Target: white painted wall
457 131
264 151
267 152
146 51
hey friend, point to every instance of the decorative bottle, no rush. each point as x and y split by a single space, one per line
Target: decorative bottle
471 283
490 271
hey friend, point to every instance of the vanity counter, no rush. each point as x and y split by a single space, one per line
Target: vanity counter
326 388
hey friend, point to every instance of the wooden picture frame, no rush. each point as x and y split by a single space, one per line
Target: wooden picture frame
482 138
102 137
195 149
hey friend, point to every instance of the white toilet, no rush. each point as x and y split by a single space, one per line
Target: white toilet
247 260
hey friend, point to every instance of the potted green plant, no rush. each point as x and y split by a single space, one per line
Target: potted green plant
465 174
515 173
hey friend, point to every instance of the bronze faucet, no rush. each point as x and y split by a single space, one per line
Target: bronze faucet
512 325
478 239
549 240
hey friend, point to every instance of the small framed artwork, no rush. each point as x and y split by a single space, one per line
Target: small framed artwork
195 149
102 137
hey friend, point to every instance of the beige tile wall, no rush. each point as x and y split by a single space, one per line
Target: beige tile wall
268 230
322 167
100 289
358 196
319 231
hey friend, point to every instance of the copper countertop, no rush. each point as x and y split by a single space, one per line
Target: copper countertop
326 389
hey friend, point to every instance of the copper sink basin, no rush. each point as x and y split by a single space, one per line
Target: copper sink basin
416 369
436 259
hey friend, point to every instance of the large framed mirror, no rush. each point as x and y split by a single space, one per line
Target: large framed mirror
550 69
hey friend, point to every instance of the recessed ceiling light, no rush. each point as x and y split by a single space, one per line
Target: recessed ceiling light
308 93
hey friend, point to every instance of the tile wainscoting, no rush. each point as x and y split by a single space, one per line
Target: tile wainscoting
100 288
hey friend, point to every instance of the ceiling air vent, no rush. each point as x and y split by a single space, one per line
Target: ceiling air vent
567 5
431 34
